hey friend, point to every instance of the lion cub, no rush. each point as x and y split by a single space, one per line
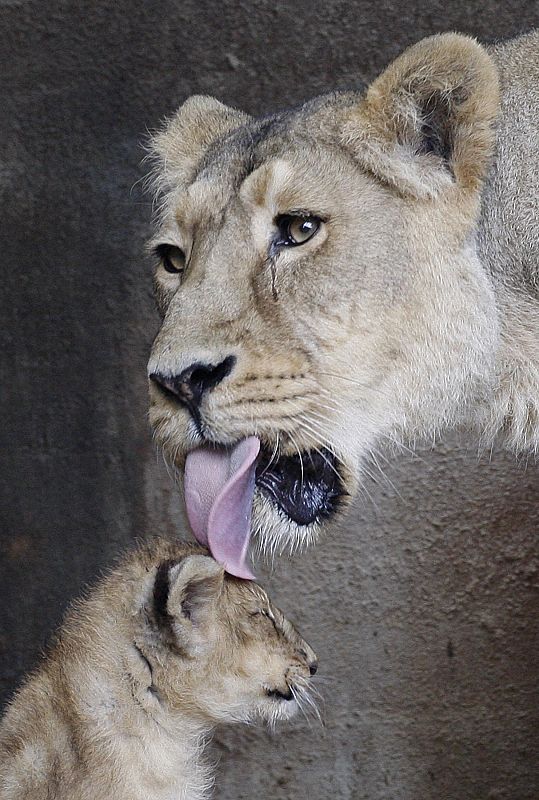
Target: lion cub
142 669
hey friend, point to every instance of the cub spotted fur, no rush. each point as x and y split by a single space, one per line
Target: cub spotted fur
143 668
359 270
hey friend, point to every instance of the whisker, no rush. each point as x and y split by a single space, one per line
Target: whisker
302 692
272 458
299 700
300 457
310 429
308 432
355 382
372 455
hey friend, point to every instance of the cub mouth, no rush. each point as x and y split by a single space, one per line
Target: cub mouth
277 694
306 486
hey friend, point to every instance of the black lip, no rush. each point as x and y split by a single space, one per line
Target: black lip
278 695
306 488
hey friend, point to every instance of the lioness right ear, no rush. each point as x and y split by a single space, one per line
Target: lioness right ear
426 123
186 137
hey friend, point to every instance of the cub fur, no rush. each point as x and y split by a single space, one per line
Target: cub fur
409 303
143 668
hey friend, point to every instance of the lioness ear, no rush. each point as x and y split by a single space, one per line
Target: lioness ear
195 585
186 137
426 123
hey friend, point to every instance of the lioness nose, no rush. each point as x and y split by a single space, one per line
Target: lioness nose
190 385
313 666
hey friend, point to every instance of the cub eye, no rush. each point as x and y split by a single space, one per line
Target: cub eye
295 229
260 612
171 257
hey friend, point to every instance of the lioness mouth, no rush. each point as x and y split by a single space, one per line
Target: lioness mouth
219 489
305 486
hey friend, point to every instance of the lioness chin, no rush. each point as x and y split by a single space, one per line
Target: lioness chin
358 270
144 667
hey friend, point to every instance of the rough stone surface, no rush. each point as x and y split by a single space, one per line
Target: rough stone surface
422 607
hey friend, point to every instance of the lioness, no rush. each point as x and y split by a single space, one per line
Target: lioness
360 269
144 667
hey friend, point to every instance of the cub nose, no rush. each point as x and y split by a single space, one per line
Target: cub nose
310 659
190 385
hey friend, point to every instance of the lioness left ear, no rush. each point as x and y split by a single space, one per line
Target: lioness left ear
181 144
427 122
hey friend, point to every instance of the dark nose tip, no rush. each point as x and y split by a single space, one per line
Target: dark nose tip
190 385
313 667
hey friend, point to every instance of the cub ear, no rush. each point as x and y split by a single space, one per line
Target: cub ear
426 123
186 137
195 585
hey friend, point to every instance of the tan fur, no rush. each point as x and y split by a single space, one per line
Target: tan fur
122 705
414 308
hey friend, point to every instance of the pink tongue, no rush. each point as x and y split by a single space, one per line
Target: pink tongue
219 488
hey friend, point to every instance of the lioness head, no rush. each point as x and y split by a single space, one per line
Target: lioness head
319 287
217 646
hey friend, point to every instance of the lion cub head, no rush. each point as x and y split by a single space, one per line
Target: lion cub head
216 647
319 283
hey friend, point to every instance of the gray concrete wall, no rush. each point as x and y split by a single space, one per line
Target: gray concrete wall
422 607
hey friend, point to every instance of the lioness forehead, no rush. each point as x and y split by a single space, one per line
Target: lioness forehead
290 134
296 145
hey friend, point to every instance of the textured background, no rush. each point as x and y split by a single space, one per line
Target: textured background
422 608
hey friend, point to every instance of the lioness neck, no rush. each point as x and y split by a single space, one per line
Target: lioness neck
95 729
512 410
508 249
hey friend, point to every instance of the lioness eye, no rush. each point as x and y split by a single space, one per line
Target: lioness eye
171 257
295 230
